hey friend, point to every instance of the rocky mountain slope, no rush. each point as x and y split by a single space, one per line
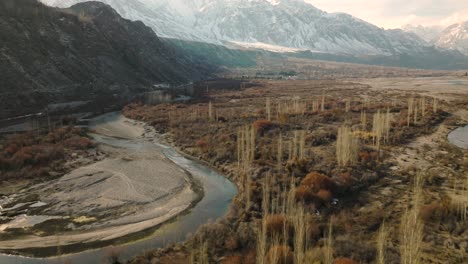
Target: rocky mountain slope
287 23
454 37
49 54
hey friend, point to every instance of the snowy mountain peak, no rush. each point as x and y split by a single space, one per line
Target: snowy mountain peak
455 37
291 24
274 2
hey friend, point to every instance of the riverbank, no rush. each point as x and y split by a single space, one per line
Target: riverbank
135 188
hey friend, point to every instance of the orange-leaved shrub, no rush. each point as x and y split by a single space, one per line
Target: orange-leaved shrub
30 155
317 181
368 156
315 188
262 125
275 224
304 193
324 195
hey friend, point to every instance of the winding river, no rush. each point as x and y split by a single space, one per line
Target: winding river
218 194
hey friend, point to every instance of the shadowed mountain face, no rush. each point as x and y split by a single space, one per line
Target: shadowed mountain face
50 54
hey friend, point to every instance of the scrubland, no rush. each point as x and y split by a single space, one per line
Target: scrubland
330 171
40 154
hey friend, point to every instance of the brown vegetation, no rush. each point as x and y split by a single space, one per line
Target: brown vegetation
262 125
232 260
283 154
317 181
33 155
275 224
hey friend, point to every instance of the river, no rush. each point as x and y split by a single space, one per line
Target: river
459 137
218 194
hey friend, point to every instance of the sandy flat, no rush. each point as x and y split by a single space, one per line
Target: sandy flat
116 125
446 88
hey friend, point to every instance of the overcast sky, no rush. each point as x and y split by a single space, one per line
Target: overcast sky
397 13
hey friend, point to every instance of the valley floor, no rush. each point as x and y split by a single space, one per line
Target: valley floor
377 189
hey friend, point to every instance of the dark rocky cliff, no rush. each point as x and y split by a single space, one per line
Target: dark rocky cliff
49 54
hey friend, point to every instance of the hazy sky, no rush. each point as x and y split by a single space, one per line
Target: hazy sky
396 13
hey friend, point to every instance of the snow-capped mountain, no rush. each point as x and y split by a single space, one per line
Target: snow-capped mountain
429 34
454 37
285 23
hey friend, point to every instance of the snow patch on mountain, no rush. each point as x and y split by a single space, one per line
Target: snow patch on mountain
263 46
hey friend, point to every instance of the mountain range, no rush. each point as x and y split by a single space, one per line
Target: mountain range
284 23
84 50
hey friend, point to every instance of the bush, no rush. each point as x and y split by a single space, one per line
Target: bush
304 193
324 195
316 182
435 211
36 155
262 125
275 224
346 179
78 142
366 156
